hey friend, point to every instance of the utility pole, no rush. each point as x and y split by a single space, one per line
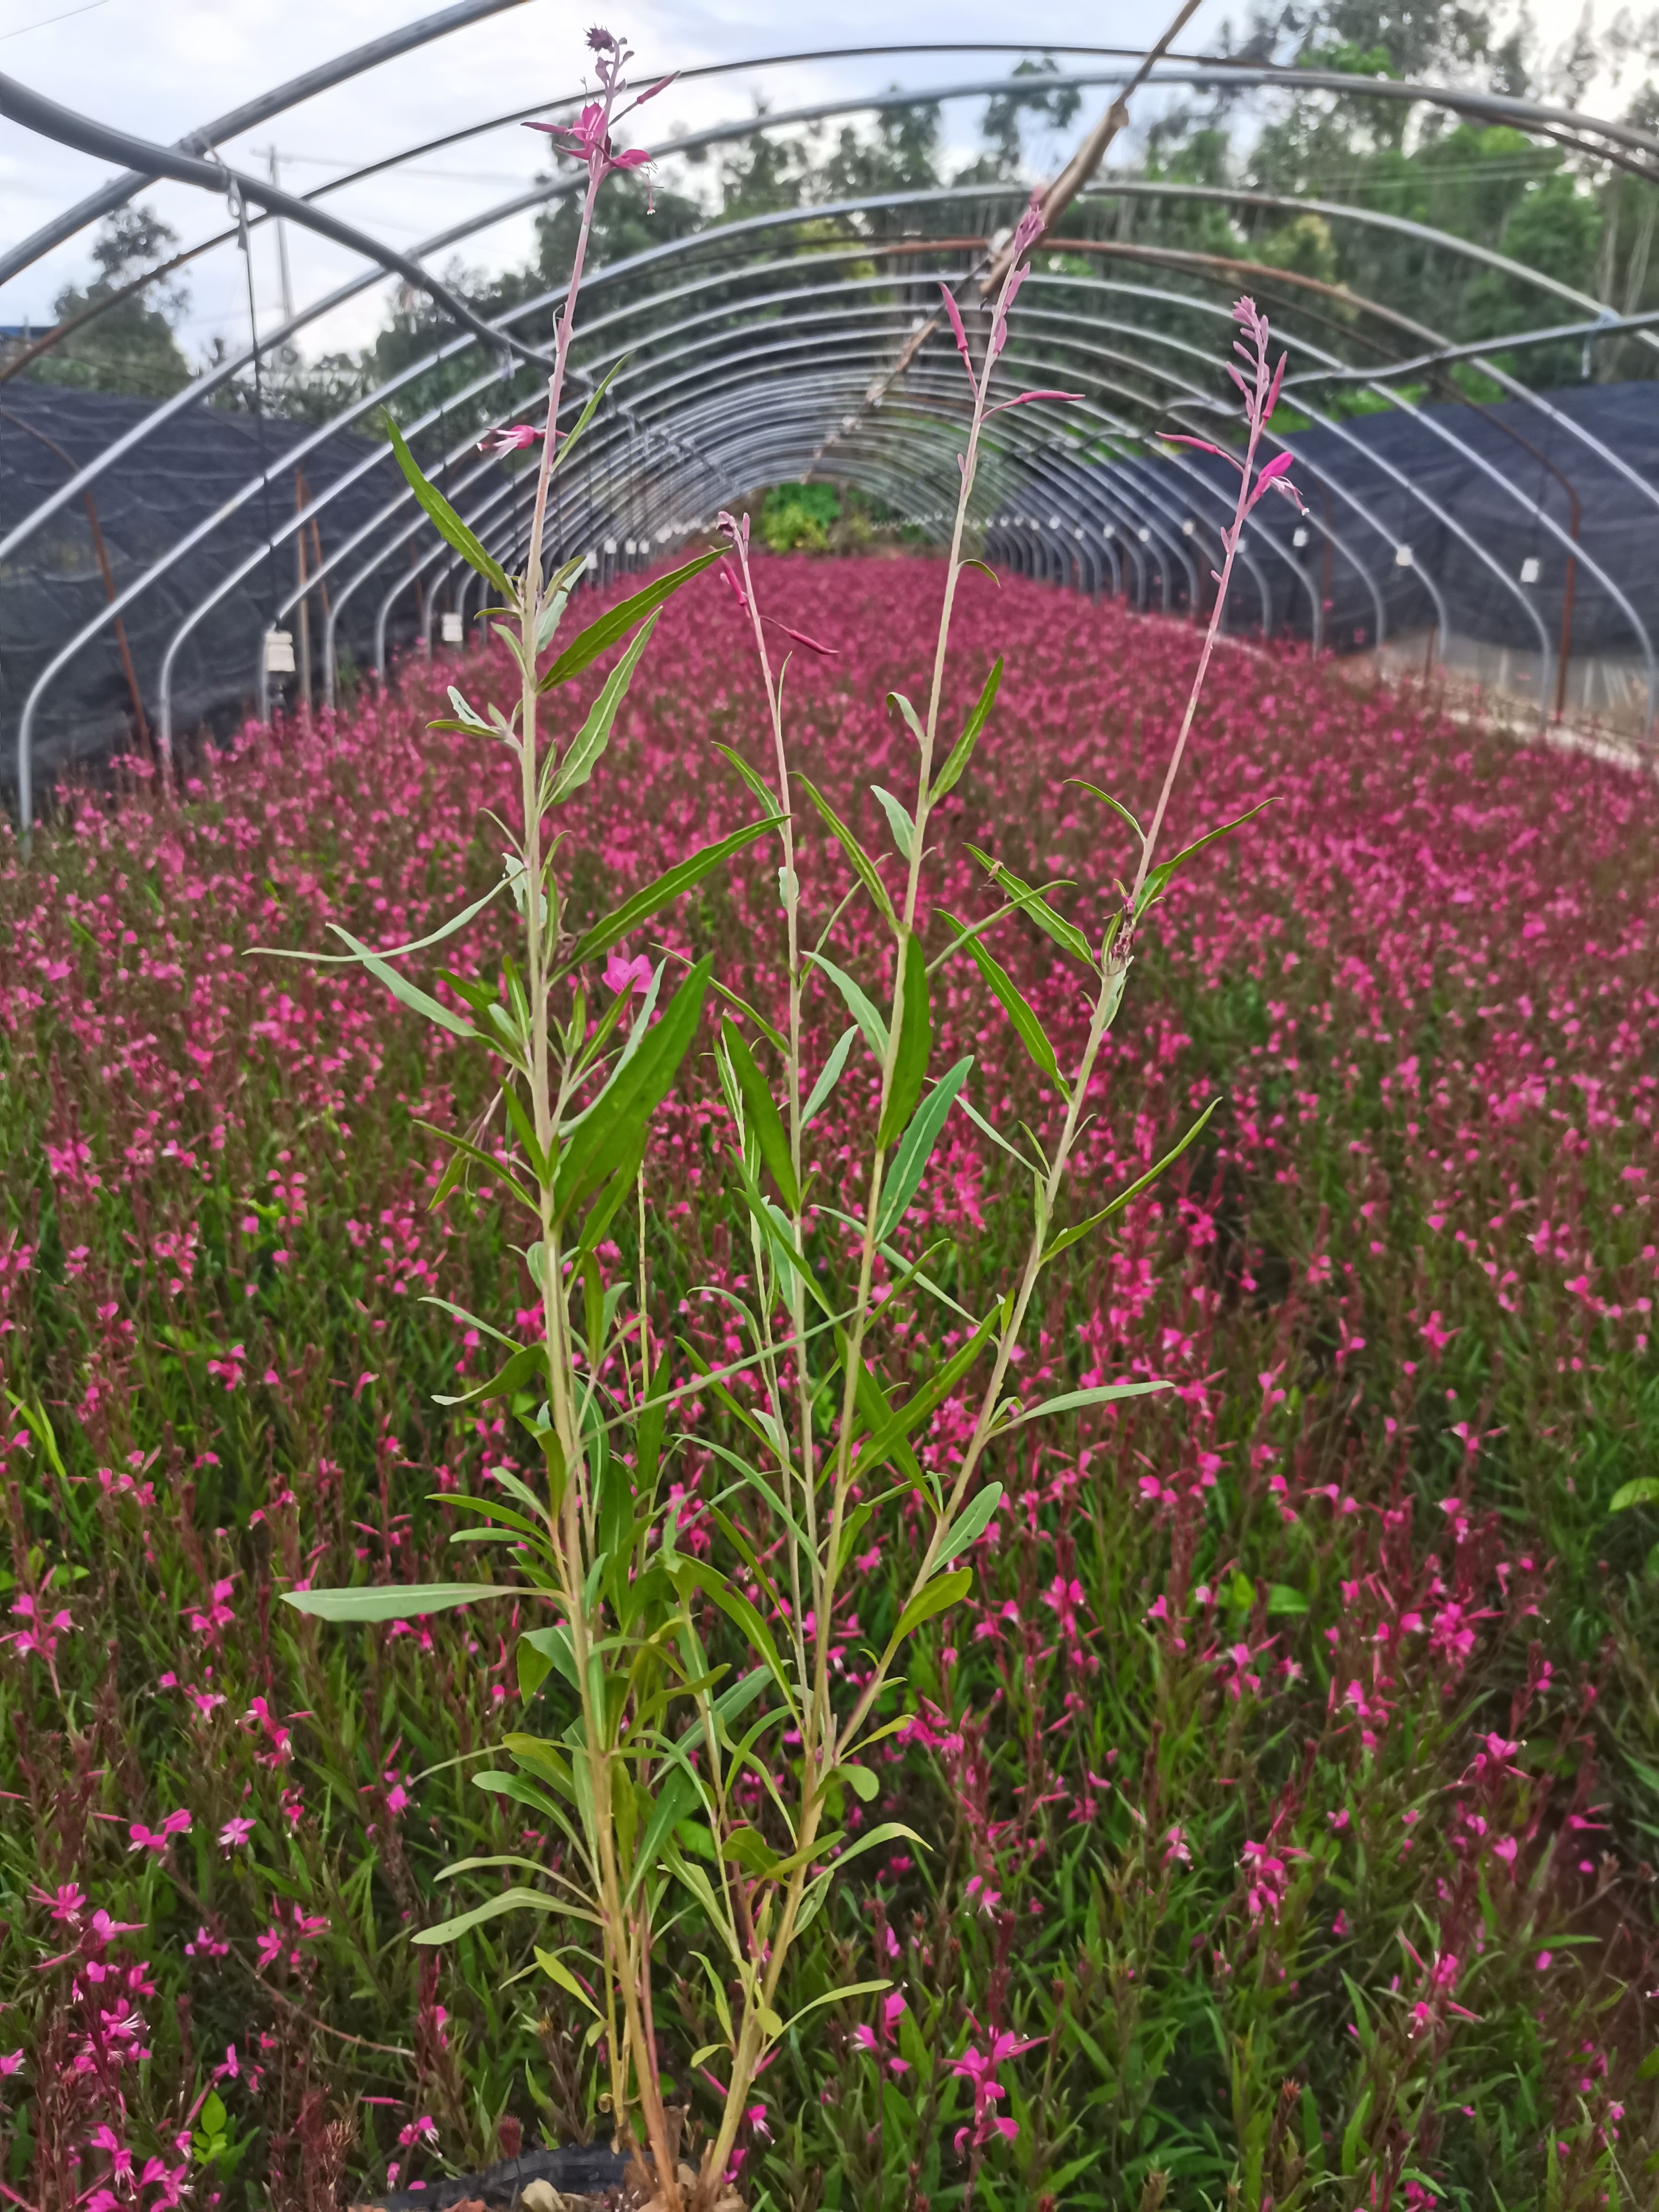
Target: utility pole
285 275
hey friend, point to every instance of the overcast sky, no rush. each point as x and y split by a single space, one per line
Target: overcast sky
159 67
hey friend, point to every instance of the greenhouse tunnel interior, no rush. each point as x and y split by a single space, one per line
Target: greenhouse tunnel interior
1482 489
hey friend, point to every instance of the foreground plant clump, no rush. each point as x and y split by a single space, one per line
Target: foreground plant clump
1283 1783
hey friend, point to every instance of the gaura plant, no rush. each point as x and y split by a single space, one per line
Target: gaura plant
702 1748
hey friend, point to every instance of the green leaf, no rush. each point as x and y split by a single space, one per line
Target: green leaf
563 447
943 1592
527 1365
1069 1400
1019 1009
701 1576
962 752
557 1971
879 1446
860 1008
758 785
778 1043
1116 806
763 1116
615 622
660 893
832 1997
450 527
1157 877
387 952
407 993
916 1045
590 741
863 867
674 1799
971 1522
1643 1491
910 1161
510 1900
912 719
603 1141
898 821
1069 1237
1282 1598
391 1600
831 1074
1054 925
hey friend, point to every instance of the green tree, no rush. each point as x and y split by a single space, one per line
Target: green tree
130 347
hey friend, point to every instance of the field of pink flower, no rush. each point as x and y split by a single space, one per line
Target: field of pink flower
1290 1771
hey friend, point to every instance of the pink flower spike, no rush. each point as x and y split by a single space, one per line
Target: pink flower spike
1031 225
954 314
801 638
1024 395
741 596
1272 389
1175 438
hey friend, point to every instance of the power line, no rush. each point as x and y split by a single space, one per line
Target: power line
46 22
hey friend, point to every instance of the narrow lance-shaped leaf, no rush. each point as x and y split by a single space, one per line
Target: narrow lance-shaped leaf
450 527
858 1004
1070 1236
915 1044
910 1162
1019 1010
1056 925
615 622
566 445
391 1600
763 1116
1158 878
386 952
510 1900
662 892
970 1523
876 1448
898 821
863 867
583 753
406 993
830 1075
602 1141
962 751
1102 1394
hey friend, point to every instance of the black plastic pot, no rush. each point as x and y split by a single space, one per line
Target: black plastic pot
581 2170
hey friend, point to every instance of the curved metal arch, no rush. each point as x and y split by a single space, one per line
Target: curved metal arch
723 233
47 118
671 422
521 311
248 117
1152 516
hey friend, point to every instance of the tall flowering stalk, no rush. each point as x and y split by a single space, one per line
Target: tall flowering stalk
826 1492
682 1790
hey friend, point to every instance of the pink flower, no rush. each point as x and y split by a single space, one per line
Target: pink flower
509 439
235 1833
624 975
11 2061
979 2067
